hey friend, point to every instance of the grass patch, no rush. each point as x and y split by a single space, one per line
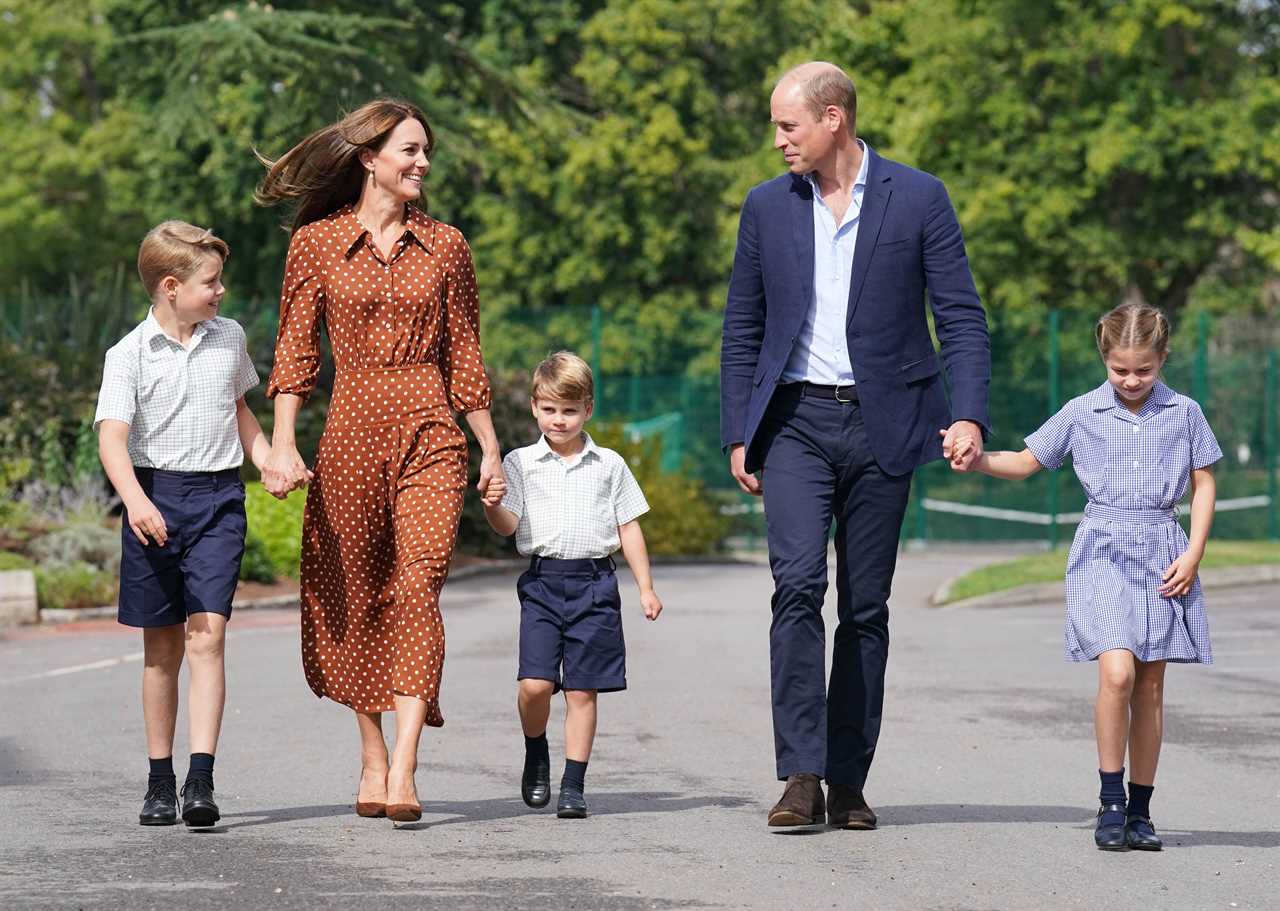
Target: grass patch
1052 566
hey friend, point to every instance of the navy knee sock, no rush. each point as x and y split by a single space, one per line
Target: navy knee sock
201 767
1140 799
535 748
1112 792
575 776
161 771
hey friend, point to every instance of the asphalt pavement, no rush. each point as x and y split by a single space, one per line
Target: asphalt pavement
985 779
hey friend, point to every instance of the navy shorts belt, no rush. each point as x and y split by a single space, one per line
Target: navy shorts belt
586 566
198 566
571 625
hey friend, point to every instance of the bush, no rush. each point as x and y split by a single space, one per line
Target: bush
10 560
683 517
275 531
256 565
74 585
79 543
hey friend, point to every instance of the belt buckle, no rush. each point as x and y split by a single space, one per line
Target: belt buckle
843 401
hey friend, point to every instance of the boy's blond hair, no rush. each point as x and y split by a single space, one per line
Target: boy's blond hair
178 249
564 377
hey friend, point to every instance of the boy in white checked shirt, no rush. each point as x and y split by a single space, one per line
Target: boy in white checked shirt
172 431
570 504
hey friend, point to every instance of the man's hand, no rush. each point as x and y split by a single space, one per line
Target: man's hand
962 457
748 482
283 471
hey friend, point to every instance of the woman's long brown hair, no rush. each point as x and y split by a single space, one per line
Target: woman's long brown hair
323 172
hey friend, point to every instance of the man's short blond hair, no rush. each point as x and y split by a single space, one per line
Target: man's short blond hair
178 249
823 85
563 377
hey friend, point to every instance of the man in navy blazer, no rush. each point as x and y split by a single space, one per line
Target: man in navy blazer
831 389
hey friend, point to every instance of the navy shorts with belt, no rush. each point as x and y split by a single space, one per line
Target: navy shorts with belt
197 568
571 618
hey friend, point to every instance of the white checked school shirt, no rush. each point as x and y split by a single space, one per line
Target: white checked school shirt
570 510
821 353
179 402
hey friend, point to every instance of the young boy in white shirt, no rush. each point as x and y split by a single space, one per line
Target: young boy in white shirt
570 504
173 428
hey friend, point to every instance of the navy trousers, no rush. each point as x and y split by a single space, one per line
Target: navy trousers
818 468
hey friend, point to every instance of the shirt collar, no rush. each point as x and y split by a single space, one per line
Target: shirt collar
1104 397
151 328
418 226
859 181
542 449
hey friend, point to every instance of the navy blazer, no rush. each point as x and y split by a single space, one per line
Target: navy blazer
908 242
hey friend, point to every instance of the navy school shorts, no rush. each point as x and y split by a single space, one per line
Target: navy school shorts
197 569
571 618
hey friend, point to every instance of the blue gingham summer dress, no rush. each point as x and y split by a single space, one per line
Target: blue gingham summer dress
1134 468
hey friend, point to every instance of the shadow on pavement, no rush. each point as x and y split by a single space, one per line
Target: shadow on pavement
614 803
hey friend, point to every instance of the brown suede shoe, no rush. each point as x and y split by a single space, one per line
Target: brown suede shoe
848 808
802 803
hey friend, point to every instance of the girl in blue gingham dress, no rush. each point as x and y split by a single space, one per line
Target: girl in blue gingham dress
1133 596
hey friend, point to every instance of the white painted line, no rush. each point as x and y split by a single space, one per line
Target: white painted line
77 668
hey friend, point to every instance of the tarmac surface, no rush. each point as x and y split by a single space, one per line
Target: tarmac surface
985 780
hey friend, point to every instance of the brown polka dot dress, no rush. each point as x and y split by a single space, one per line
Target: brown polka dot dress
382 512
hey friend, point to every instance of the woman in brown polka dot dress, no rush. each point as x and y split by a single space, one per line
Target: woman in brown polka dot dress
396 292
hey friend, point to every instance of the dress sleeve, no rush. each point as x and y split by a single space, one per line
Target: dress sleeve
513 499
461 361
1204 445
297 359
1051 443
628 499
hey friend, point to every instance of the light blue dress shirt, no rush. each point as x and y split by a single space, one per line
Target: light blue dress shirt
821 352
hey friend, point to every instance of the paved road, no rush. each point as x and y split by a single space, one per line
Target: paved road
985 780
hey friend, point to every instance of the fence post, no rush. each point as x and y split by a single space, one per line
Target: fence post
1200 382
597 332
1055 393
1269 447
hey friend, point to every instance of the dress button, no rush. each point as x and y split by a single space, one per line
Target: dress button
1135 464
1135 428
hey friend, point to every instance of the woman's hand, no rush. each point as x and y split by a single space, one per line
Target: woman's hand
284 471
493 482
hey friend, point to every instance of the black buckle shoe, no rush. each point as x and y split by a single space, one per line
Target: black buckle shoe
572 804
160 806
198 808
535 783
1110 836
1140 834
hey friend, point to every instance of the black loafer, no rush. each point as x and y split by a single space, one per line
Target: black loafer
160 806
1110 836
1140 834
572 804
535 784
198 808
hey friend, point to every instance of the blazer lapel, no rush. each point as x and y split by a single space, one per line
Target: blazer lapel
802 234
875 200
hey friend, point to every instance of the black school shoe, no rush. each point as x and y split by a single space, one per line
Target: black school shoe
1110 836
1140 834
160 806
572 804
535 783
198 808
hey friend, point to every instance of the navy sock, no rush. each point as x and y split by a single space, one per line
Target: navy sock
201 767
161 771
535 748
1112 792
1140 799
575 776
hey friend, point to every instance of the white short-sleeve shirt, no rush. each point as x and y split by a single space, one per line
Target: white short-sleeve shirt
570 509
179 401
